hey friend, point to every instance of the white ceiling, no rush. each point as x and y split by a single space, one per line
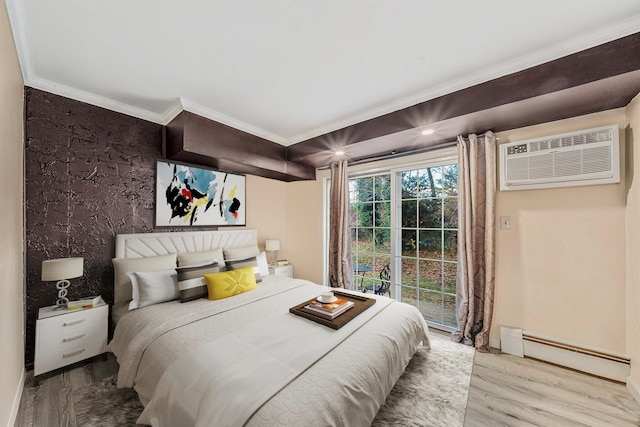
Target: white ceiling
289 70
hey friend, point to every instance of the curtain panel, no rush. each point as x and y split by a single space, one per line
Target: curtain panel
340 264
476 239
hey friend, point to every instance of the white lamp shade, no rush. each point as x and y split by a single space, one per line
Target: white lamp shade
272 245
62 268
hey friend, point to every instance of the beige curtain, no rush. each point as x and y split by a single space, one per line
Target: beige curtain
476 239
340 271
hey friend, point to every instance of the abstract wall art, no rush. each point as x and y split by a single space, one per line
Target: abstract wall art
189 195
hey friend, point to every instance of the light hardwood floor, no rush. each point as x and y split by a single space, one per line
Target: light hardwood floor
505 391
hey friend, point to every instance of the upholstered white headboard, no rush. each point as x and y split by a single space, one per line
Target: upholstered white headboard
144 245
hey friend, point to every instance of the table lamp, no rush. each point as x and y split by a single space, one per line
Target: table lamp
62 270
272 246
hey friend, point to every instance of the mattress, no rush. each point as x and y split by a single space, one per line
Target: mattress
344 385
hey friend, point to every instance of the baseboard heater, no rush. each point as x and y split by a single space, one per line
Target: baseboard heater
593 361
602 363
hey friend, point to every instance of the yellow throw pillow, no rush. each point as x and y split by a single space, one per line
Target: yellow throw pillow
230 283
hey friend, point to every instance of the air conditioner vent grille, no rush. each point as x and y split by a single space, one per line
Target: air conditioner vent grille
570 141
582 158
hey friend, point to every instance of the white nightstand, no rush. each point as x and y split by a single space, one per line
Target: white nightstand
286 271
64 337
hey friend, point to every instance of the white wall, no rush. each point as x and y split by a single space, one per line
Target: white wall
305 228
633 244
560 270
266 211
288 212
11 225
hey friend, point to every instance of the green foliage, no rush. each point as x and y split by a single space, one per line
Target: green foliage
428 235
429 202
370 207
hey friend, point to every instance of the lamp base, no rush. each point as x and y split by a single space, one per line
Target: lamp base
272 259
62 286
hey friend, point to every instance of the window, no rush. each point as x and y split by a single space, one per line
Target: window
426 235
370 223
405 220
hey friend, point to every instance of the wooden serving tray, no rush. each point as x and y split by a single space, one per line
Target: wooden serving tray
360 304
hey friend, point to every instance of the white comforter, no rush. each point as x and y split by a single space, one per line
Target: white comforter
344 382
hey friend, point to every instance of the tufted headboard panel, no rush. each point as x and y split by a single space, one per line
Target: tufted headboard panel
144 245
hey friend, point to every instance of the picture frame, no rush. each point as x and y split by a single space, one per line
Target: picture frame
196 196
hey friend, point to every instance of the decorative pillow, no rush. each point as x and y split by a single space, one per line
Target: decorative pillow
241 263
230 283
263 265
199 270
191 281
241 253
191 289
153 287
122 266
194 258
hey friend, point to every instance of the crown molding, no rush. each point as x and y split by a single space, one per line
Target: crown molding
172 111
17 20
93 99
15 9
597 37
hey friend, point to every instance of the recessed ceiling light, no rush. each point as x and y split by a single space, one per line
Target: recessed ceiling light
427 131
339 153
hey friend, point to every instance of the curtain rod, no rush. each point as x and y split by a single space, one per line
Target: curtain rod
394 154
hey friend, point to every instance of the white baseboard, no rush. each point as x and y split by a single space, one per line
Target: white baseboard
16 400
634 389
602 367
596 361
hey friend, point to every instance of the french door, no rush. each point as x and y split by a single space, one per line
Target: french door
370 223
426 250
404 226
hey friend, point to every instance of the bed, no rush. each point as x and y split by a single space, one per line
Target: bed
245 360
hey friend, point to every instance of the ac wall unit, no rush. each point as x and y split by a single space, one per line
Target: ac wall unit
586 157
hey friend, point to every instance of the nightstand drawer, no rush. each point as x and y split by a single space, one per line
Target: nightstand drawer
286 271
63 355
67 337
90 322
72 338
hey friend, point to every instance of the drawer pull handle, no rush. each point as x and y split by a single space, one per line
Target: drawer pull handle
75 353
77 337
75 322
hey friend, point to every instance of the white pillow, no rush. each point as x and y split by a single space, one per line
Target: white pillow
122 266
263 265
153 287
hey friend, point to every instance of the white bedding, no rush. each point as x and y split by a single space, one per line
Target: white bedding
345 386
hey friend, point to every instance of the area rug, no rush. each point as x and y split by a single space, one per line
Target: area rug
102 404
434 388
432 392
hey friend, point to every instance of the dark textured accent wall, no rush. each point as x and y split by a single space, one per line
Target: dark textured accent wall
89 176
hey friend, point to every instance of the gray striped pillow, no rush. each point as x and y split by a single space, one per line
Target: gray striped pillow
191 283
241 263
